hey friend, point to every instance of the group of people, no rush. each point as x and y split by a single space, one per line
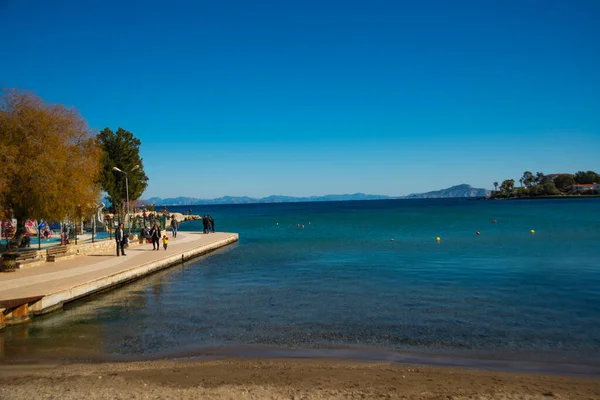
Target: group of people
67 233
153 235
26 240
149 218
209 224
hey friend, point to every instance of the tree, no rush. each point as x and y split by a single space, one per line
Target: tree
540 178
507 186
496 186
527 178
50 161
550 189
563 182
6 164
545 189
122 150
586 178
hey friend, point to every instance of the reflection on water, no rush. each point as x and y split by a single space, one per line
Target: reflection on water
79 331
341 283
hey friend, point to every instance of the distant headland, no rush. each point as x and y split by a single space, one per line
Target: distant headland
540 185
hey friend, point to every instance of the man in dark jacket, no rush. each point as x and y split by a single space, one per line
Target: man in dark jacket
121 239
174 225
205 223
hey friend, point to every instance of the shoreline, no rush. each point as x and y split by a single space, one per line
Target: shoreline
480 360
553 197
281 378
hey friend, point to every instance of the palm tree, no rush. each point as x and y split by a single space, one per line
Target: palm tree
511 185
496 186
520 187
507 187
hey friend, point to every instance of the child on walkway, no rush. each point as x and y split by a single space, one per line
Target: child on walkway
165 241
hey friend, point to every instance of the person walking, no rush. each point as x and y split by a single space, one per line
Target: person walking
155 236
64 236
174 225
120 239
211 224
205 224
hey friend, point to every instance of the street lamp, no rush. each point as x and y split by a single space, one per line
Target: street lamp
127 193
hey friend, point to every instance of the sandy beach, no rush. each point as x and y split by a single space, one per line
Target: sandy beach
280 379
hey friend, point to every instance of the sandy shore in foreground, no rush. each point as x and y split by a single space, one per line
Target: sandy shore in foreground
280 379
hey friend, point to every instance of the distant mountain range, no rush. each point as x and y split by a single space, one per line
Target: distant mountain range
189 201
454 191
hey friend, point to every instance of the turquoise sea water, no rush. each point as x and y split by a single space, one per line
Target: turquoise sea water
314 276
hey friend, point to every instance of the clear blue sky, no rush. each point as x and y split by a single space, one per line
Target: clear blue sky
316 97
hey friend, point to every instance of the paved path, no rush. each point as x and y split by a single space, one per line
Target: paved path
54 277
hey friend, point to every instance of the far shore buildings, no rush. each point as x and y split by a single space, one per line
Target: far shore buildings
585 187
579 188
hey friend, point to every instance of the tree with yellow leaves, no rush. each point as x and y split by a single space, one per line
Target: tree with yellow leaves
49 161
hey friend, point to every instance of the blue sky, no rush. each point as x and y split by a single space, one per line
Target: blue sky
315 97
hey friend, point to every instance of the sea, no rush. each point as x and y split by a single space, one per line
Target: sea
364 280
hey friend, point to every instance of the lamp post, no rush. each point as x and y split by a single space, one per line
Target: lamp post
127 193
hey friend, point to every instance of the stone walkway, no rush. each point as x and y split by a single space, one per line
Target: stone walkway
61 275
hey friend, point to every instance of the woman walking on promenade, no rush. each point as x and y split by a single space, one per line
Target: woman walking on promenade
155 236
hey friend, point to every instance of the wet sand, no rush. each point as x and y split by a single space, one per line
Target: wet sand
281 379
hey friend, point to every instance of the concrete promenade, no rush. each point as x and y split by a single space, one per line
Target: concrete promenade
38 290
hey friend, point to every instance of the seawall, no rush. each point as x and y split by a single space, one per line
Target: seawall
39 290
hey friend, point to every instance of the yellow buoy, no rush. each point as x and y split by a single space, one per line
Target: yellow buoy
532 231
438 239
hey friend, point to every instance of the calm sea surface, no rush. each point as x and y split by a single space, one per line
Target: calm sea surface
323 276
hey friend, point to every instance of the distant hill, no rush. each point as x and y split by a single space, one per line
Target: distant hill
190 201
454 191
463 190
